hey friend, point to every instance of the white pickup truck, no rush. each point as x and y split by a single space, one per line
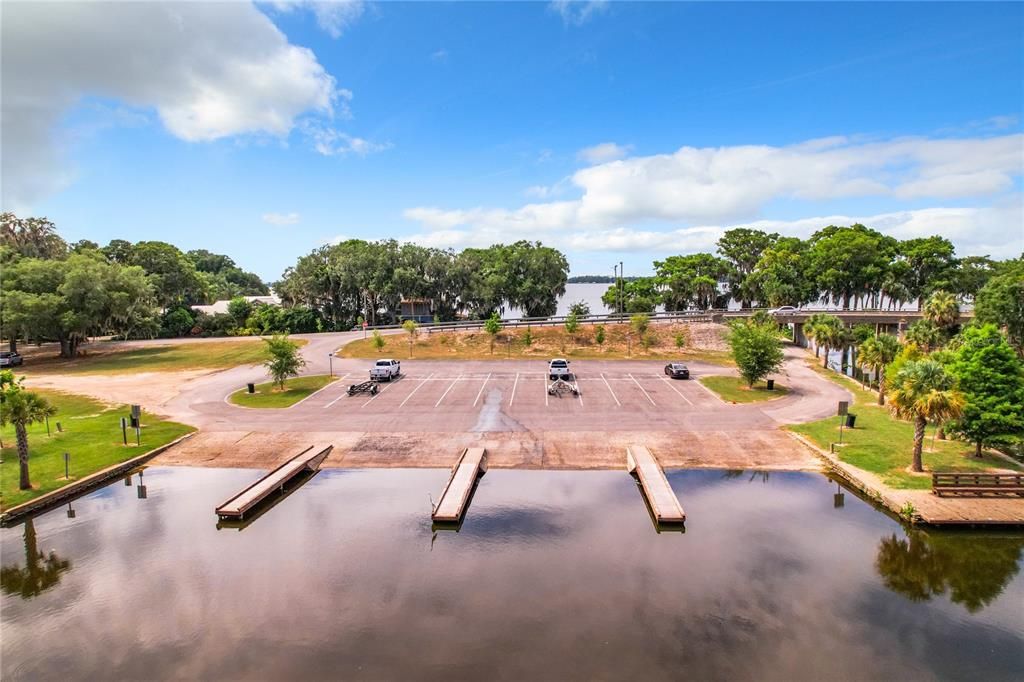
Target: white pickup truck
385 370
559 369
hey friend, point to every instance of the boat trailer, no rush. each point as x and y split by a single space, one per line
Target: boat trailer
565 384
370 387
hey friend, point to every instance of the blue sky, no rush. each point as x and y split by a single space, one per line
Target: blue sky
613 131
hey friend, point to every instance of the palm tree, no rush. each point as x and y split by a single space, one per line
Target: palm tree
941 309
924 392
22 408
925 334
831 334
877 352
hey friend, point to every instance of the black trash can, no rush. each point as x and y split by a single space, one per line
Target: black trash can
251 387
851 419
771 384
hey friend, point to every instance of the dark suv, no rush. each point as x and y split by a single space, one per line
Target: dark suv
677 370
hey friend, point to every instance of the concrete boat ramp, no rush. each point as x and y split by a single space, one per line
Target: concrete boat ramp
308 459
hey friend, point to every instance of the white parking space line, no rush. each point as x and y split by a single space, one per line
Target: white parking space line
644 390
481 392
614 397
513 396
343 393
379 393
454 381
669 382
422 381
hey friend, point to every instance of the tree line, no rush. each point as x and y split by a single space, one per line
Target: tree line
54 291
851 267
367 280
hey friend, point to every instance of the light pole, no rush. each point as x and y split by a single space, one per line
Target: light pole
622 277
330 359
615 268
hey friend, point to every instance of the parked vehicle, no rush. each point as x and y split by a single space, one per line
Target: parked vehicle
386 370
10 359
784 310
677 370
559 369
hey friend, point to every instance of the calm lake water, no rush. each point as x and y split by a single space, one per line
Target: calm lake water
554 575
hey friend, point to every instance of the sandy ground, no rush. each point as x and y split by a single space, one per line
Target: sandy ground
766 449
150 389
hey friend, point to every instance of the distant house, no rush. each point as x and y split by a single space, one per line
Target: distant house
221 307
417 309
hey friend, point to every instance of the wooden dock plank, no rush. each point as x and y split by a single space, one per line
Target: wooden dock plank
664 503
451 506
308 458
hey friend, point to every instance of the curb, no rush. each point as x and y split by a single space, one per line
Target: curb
82 485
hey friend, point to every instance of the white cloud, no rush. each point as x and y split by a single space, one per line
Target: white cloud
440 55
577 12
604 152
281 218
995 230
208 70
332 16
723 184
332 142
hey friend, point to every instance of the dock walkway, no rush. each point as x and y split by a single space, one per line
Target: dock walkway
309 458
664 503
452 504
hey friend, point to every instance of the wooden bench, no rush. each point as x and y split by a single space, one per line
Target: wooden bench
978 484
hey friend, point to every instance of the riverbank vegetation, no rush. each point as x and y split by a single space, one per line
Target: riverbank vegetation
851 267
881 444
272 395
116 358
650 341
90 433
737 390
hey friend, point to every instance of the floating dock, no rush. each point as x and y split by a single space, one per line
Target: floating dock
308 459
452 504
663 502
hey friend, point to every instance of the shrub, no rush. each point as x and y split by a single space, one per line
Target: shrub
599 334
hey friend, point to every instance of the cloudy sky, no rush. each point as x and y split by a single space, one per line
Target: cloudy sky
613 131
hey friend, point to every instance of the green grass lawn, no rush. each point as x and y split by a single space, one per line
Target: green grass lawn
735 389
882 445
182 356
268 395
92 434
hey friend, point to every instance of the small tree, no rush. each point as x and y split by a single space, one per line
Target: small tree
492 326
528 337
680 340
572 325
21 408
991 377
410 328
579 309
756 349
640 322
599 334
240 309
284 360
378 340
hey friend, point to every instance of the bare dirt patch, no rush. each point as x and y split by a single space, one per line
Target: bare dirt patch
151 389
